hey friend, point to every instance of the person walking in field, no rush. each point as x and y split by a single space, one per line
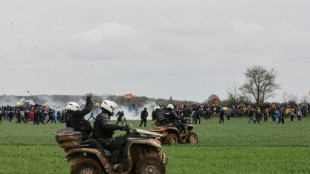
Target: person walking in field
277 114
120 116
266 114
258 116
299 114
144 115
292 114
91 115
222 113
252 115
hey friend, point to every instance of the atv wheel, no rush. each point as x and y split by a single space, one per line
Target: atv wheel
171 139
150 165
86 166
192 138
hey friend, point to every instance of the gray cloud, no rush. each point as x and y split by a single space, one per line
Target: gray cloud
183 49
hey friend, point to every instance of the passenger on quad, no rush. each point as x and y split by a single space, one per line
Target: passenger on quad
172 117
76 118
159 117
103 130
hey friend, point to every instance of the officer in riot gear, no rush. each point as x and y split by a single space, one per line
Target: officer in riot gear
76 118
170 114
159 117
103 130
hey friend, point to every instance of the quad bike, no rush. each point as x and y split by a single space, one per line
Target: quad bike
172 135
141 154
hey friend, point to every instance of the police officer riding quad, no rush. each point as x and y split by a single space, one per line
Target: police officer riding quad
141 153
172 128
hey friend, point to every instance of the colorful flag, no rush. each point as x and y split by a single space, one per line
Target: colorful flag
45 104
215 100
128 96
97 104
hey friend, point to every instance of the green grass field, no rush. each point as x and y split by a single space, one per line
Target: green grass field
232 147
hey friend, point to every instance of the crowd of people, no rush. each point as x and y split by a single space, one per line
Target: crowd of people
39 114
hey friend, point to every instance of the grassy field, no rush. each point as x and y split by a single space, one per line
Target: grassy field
232 147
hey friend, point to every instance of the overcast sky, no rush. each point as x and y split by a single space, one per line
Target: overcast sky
184 49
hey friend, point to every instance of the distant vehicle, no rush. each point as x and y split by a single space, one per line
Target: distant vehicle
171 135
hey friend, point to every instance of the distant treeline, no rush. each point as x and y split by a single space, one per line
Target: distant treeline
63 99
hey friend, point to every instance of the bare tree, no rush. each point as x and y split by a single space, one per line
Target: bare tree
304 99
260 83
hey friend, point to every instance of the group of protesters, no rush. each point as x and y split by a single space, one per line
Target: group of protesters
256 113
40 114
37 113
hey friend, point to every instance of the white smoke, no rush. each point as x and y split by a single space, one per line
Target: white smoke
135 114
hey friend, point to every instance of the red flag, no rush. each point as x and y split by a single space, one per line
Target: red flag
128 96
215 100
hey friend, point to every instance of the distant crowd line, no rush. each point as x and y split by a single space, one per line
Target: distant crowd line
39 114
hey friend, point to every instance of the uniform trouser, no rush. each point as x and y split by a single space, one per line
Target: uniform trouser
257 120
115 147
265 118
35 120
198 118
221 119
49 119
120 121
251 118
143 121
53 120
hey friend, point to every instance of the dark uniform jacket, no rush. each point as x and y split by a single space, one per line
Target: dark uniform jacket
77 121
171 116
102 127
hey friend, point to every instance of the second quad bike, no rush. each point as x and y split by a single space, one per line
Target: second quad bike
172 135
141 154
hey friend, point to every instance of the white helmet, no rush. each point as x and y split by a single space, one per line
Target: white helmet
72 106
170 106
108 105
156 107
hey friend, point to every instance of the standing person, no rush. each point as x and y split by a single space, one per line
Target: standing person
292 114
27 116
18 116
42 116
222 113
277 114
91 115
58 116
252 116
76 118
11 115
36 115
266 114
282 116
258 115
50 115
119 116
144 115
299 114
54 116
1 115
